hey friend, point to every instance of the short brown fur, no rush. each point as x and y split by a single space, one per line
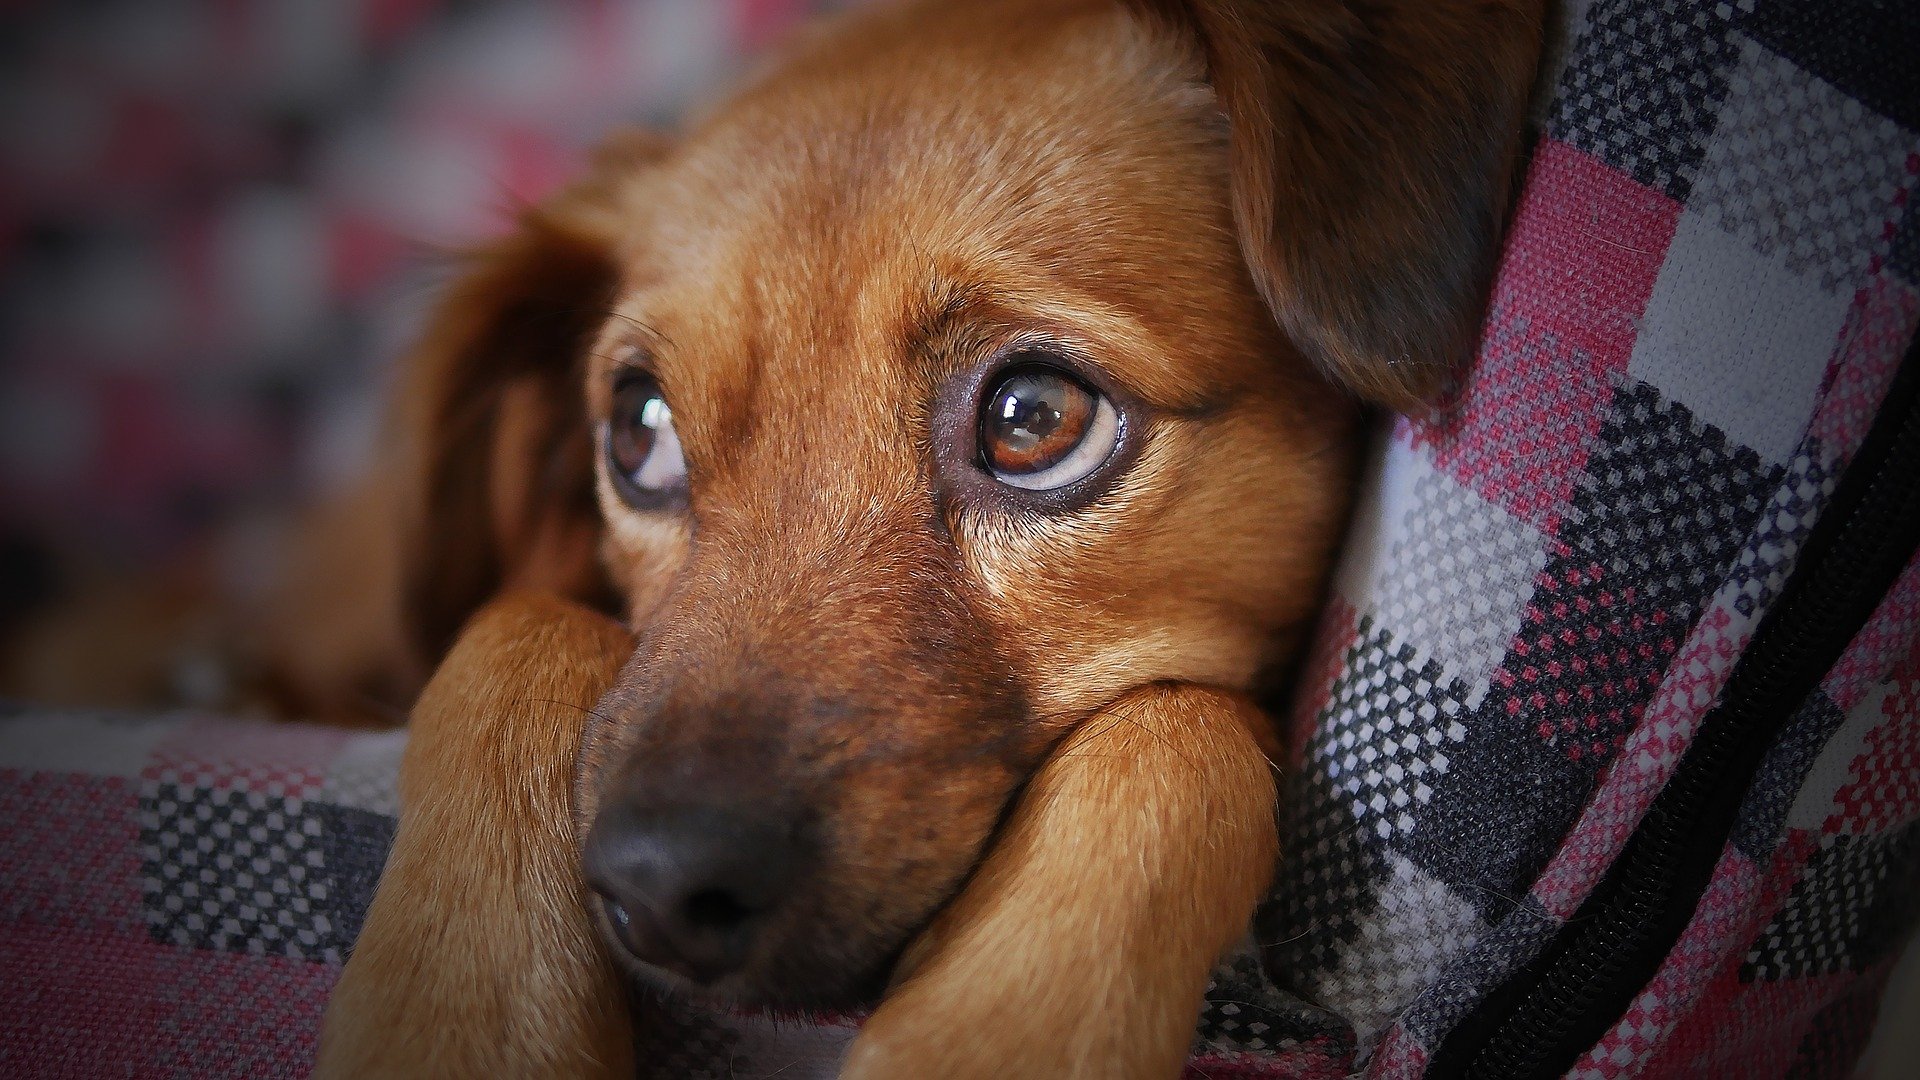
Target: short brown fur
1024 732
495 940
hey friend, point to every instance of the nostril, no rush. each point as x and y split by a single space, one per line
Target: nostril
617 915
716 909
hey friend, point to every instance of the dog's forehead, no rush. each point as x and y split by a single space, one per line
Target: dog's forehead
1056 157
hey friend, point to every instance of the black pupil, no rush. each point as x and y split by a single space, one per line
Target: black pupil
1029 410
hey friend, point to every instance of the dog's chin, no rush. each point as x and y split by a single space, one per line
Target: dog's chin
788 981
744 992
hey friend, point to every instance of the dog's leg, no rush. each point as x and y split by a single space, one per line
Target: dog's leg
1082 946
478 957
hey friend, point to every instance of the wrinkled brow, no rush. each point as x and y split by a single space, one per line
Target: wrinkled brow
953 318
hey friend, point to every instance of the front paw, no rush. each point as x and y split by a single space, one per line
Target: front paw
1082 946
478 957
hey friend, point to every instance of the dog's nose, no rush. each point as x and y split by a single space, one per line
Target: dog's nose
687 888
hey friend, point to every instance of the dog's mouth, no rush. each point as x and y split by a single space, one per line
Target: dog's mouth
802 969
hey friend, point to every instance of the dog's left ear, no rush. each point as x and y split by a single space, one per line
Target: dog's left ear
494 481
1372 144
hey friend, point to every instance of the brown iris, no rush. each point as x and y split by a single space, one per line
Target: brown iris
1034 418
629 436
644 458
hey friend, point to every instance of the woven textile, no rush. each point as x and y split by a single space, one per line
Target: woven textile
1709 282
1712 274
179 893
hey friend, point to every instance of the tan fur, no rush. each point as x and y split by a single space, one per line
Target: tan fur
477 958
1109 938
1373 145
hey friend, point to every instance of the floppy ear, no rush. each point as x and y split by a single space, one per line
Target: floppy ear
1372 144
495 482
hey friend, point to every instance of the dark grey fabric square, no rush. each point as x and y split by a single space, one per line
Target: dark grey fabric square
1642 88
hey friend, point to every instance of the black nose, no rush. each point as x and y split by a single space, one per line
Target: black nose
688 888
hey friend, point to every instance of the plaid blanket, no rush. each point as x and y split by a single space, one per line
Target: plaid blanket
1712 277
180 892
1709 284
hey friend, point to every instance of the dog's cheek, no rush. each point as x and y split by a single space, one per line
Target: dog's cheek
1201 572
901 843
643 557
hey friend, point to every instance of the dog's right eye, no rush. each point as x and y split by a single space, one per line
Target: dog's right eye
1042 429
642 449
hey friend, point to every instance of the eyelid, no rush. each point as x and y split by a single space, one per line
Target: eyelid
630 358
1070 354
631 362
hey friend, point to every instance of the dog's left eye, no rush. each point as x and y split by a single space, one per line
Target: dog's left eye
1042 429
642 449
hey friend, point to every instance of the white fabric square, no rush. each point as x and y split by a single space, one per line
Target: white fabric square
1390 471
366 774
1833 769
1740 339
1458 578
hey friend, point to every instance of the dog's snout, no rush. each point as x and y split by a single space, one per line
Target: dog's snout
688 888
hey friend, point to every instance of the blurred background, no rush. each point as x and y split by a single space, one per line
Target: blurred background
219 222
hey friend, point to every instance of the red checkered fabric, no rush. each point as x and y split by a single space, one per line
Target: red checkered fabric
1712 274
180 892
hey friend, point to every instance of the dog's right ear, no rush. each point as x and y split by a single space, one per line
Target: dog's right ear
1371 146
495 479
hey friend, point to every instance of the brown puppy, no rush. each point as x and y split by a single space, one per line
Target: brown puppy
967 433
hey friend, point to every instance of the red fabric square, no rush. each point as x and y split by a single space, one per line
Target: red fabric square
1398 1057
238 1015
1585 248
1878 327
1883 786
79 1005
1756 1029
71 846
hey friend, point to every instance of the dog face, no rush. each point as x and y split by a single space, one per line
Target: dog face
924 432
934 397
